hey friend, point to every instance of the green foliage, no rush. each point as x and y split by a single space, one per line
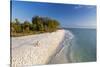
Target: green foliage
39 24
26 26
16 27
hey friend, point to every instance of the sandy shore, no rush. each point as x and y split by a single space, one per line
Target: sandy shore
63 55
35 49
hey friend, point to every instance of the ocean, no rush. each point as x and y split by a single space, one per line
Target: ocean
81 48
83 45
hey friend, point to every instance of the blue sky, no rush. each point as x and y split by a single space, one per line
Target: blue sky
77 16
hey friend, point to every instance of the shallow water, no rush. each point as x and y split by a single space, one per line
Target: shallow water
83 47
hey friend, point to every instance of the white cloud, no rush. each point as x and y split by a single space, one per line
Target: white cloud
84 6
78 7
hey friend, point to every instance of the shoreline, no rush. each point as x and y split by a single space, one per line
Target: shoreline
27 54
59 57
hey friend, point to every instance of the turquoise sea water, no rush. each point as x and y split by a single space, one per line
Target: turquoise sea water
83 45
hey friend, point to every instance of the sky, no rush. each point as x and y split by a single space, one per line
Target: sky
69 15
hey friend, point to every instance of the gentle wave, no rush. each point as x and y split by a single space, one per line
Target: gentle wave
63 56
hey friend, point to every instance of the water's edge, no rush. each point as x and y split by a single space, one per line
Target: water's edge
61 47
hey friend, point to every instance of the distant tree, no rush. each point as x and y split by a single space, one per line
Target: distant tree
39 24
26 26
35 22
17 21
45 23
16 27
52 25
12 27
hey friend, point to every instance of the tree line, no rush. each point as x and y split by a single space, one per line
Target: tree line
38 24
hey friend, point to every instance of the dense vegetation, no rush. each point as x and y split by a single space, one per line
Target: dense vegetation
38 25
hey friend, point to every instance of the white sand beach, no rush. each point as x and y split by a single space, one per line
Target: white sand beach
35 49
